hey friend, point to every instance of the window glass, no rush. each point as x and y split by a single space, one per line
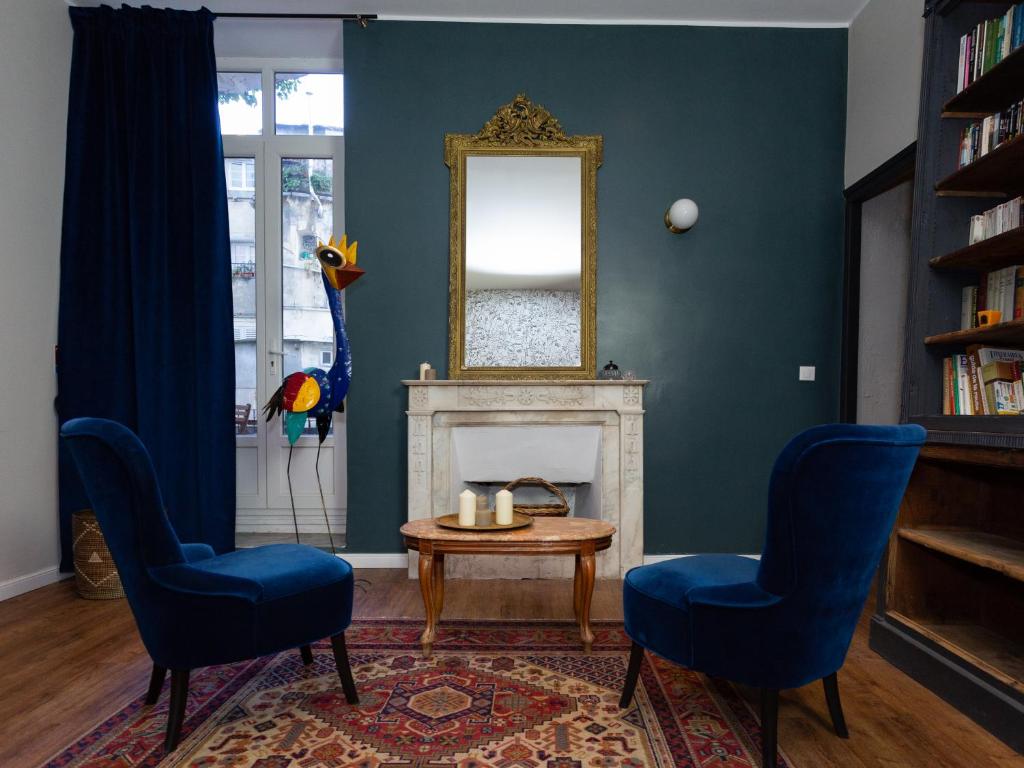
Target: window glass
307 215
240 173
308 104
240 99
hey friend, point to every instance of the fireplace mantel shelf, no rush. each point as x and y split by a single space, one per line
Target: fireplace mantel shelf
612 409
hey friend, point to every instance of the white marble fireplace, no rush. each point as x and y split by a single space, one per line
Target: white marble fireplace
584 435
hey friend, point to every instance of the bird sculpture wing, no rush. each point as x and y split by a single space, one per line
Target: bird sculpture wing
298 394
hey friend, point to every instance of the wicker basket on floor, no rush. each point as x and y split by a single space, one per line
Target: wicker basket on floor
96 578
551 509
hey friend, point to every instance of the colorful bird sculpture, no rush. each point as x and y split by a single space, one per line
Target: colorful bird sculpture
314 392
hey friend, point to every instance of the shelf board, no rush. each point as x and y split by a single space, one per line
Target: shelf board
997 553
1000 173
995 252
994 90
1010 332
999 656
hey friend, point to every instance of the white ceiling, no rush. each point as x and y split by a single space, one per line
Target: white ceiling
769 13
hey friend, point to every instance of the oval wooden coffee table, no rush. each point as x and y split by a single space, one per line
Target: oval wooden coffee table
576 536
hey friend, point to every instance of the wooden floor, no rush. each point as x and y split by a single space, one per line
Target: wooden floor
67 663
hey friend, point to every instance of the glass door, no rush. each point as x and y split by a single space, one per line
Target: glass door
284 195
302 337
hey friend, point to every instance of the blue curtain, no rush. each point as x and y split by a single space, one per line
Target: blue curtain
145 331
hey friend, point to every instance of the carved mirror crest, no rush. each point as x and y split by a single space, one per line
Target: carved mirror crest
523 235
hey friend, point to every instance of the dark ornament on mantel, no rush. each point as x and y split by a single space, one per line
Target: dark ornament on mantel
610 371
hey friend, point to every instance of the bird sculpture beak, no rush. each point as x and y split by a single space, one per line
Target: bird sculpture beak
341 277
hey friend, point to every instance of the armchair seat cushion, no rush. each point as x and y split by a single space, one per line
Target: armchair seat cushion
260 574
656 599
250 602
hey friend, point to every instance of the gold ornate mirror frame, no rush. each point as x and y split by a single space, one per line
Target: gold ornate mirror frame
522 128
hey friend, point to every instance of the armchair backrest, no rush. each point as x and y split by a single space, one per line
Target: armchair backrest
835 491
121 484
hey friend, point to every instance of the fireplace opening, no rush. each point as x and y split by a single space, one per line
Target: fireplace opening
486 458
580 497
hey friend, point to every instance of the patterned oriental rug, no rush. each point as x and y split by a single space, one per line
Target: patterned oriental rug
493 695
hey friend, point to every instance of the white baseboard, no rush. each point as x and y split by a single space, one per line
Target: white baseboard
19 585
650 559
376 559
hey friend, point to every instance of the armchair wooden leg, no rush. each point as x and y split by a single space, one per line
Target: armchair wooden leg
156 684
769 728
307 655
176 708
636 658
835 706
344 670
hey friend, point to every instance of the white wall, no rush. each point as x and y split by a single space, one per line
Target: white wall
886 43
884 267
35 57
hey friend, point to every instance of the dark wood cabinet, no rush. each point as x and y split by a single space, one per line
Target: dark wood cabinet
950 608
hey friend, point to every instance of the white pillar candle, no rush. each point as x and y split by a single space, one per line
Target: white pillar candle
503 507
467 508
424 367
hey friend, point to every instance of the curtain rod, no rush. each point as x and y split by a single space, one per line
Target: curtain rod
362 18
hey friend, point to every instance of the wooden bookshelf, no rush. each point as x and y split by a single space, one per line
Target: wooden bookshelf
992 253
1000 553
970 427
1000 173
1010 332
988 93
981 647
950 609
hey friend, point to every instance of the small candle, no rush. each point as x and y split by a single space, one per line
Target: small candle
503 507
424 367
467 508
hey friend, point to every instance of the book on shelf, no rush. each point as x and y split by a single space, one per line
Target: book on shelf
979 138
1001 289
988 44
969 307
995 221
983 381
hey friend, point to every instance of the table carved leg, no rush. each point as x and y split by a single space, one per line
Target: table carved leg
428 584
587 569
438 585
577 583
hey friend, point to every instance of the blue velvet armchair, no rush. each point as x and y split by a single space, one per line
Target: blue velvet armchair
194 608
787 620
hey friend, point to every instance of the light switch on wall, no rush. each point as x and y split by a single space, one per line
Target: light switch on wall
806 373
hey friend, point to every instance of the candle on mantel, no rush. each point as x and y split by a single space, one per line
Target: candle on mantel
467 508
424 367
503 507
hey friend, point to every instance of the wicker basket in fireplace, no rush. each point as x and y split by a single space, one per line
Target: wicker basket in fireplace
557 507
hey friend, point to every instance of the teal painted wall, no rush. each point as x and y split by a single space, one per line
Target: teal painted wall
748 122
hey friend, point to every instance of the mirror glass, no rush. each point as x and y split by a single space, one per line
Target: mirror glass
524 254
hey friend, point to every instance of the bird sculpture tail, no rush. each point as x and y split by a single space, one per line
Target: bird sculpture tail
275 405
